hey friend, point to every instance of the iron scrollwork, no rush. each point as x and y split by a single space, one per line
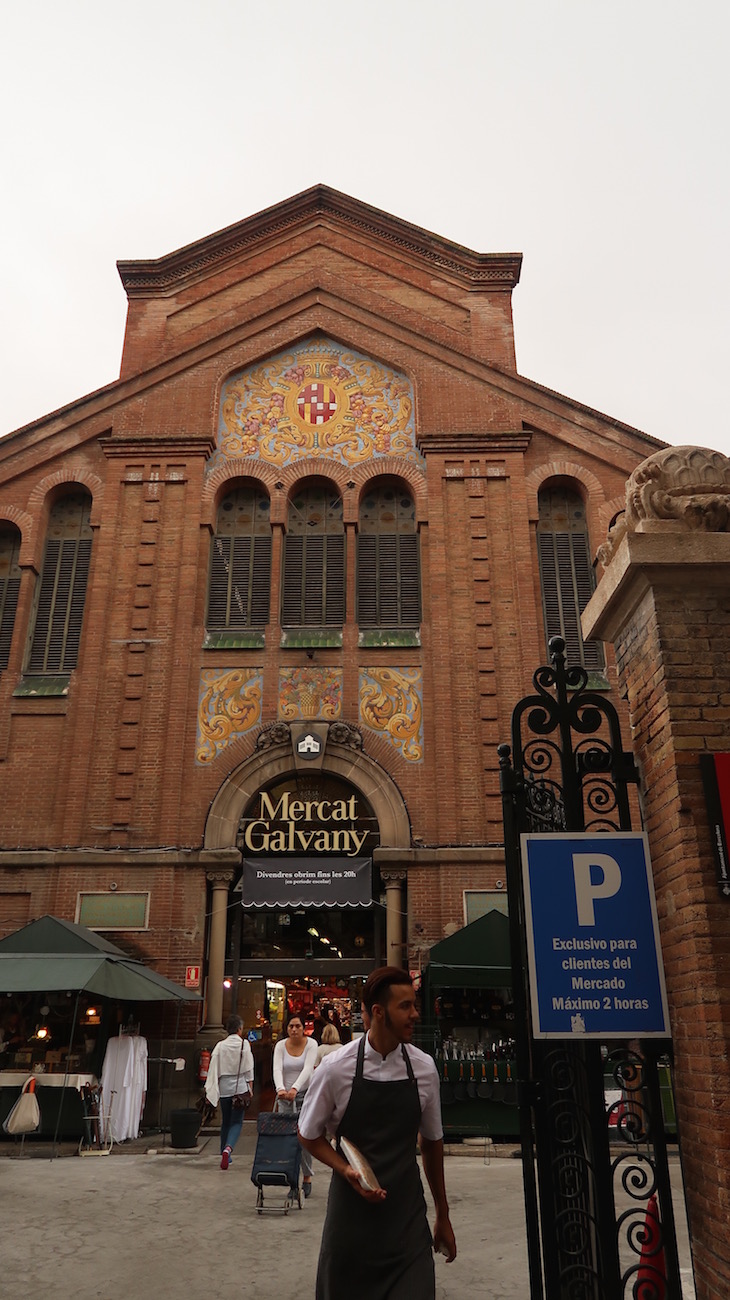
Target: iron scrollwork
602 1194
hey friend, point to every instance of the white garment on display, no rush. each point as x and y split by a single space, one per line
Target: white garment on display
124 1085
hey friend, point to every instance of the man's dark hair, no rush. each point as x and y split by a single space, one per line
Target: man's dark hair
233 1024
379 983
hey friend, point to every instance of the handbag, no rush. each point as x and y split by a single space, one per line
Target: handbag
25 1116
205 1110
241 1100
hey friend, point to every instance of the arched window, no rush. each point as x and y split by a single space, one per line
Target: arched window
313 587
388 577
61 589
9 587
566 573
240 562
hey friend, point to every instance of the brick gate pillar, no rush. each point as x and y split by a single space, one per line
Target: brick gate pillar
664 601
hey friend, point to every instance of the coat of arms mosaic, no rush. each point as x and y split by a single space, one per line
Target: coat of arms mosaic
317 399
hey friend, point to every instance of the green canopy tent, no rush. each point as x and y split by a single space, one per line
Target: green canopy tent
52 955
476 957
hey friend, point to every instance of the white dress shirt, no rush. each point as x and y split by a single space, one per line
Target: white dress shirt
329 1092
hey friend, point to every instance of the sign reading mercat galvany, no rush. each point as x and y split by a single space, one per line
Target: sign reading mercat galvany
290 825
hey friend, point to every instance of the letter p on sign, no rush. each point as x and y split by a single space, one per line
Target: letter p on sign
586 892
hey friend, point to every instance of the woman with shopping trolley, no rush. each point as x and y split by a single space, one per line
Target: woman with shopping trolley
294 1060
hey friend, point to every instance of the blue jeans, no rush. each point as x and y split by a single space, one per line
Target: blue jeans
231 1123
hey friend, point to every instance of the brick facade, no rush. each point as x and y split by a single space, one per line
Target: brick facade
664 602
101 784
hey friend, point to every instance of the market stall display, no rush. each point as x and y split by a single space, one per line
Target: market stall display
58 977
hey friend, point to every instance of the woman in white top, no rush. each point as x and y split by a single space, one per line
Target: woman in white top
330 1043
294 1060
230 1071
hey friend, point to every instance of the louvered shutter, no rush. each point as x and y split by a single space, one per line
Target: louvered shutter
549 579
568 603
410 579
388 580
334 580
291 587
240 580
567 586
8 606
76 600
313 582
239 584
218 586
260 580
593 657
60 609
367 580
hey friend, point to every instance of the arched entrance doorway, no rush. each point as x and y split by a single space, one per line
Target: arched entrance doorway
302 913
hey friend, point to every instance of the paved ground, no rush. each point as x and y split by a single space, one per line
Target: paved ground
172 1224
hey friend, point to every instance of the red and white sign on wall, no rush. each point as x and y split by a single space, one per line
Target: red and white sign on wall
192 977
715 770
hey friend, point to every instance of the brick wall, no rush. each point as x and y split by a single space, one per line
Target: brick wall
664 602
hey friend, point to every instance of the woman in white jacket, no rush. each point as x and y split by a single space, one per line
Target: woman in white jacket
230 1072
294 1059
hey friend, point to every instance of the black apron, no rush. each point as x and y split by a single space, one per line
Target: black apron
380 1251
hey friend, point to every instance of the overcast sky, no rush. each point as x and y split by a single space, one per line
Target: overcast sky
591 137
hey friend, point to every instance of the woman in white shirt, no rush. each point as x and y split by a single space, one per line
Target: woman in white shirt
230 1071
294 1060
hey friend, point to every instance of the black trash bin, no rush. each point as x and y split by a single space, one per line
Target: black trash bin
184 1128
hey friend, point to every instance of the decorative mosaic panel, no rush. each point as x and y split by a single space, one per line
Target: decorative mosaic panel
310 693
391 703
318 399
229 705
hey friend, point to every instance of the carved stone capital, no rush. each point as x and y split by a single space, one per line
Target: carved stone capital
679 489
219 878
393 877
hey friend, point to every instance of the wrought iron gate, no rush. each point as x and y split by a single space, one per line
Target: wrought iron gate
600 1223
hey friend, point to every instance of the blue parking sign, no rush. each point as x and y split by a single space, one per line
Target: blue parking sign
593 948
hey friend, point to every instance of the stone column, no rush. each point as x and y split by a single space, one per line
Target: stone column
393 881
664 601
220 884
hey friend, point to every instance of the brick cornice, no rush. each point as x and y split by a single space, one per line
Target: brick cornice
497 271
460 444
188 444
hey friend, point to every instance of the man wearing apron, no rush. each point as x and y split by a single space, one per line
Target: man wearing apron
380 1093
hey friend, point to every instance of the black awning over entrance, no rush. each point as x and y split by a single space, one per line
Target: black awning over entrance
286 969
477 957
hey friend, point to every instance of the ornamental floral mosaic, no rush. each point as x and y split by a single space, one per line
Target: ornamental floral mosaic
318 399
229 705
310 693
391 703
